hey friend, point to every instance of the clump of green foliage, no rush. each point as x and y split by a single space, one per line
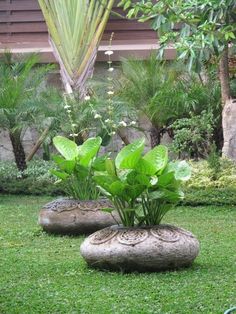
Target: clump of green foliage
193 135
142 188
35 180
202 175
214 162
76 165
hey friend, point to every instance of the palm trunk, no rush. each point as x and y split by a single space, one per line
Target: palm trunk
229 109
18 150
155 136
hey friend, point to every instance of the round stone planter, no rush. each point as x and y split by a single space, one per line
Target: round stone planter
157 248
69 216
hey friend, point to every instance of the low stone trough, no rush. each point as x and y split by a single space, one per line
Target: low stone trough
157 248
69 216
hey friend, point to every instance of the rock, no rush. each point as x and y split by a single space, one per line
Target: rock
69 216
158 248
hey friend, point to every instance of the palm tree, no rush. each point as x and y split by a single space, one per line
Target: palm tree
164 92
75 29
19 99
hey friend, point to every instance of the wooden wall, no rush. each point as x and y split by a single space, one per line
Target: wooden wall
22 21
22 26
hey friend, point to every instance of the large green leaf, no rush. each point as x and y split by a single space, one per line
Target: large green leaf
166 179
166 195
145 167
182 170
173 196
158 157
61 175
88 150
67 165
67 148
117 188
81 172
99 163
105 182
135 178
129 156
110 167
134 191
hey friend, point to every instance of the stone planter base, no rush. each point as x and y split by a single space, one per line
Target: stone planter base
68 216
156 248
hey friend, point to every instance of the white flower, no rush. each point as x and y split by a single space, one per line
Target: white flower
97 116
69 111
110 92
122 123
66 106
109 52
110 69
113 132
133 123
71 134
87 97
107 120
74 125
76 134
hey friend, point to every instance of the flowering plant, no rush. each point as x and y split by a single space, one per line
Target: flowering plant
142 188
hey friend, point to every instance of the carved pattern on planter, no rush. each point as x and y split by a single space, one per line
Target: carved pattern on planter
102 236
165 233
185 232
132 237
70 204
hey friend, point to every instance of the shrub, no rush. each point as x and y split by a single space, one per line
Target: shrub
36 179
193 135
201 189
202 175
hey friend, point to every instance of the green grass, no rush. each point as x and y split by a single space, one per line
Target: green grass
40 273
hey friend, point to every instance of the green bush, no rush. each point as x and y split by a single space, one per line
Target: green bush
210 196
202 175
201 189
36 179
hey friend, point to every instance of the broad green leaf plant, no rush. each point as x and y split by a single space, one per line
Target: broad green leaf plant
143 188
75 166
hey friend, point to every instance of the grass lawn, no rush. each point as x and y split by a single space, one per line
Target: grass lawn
40 273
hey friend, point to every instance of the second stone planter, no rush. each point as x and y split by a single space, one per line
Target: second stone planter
157 248
69 216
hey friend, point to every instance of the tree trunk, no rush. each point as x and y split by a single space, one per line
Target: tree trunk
122 134
38 143
229 109
155 136
75 84
224 76
229 128
18 150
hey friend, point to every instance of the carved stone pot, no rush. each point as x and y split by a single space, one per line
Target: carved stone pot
69 216
157 248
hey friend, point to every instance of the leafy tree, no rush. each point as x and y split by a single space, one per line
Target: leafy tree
20 99
198 30
166 92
